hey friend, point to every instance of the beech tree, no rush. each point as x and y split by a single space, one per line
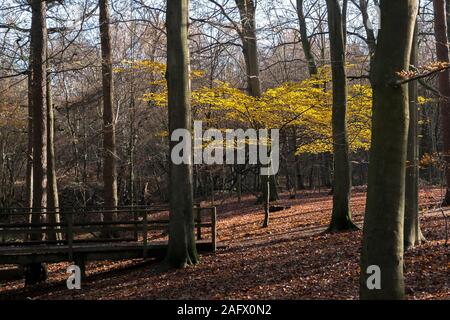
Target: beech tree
109 136
36 271
182 250
247 34
383 221
306 44
341 216
29 168
412 233
52 185
442 55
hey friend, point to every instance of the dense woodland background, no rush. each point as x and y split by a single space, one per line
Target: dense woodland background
85 88
138 34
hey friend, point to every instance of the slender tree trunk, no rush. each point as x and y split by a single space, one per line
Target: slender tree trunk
341 216
306 44
52 187
109 137
247 9
447 11
344 21
39 35
29 168
182 249
249 44
291 164
370 35
412 232
37 271
442 54
383 221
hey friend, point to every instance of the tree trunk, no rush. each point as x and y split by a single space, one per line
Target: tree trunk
370 40
29 168
182 249
247 34
344 22
109 137
52 187
341 216
442 55
36 271
39 35
249 44
447 10
383 221
306 44
412 232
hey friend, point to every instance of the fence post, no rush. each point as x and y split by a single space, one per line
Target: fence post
135 220
69 234
267 204
144 236
199 222
214 229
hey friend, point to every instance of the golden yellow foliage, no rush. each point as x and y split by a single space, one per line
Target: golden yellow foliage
304 105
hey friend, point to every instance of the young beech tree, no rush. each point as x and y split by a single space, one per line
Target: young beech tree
36 272
29 168
306 44
109 136
341 216
182 250
52 184
312 70
247 33
302 105
383 221
38 91
442 55
412 232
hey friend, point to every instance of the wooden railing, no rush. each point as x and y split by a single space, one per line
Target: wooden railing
80 225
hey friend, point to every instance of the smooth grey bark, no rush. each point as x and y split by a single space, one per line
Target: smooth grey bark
341 216
370 35
52 186
36 272
312 69
442 55
38 88
383 221
247 33
133 131
109 136
306 44
447 11
412 233
182 249
29 168
344 21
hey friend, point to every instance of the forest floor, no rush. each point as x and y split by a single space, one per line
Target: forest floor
291 259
